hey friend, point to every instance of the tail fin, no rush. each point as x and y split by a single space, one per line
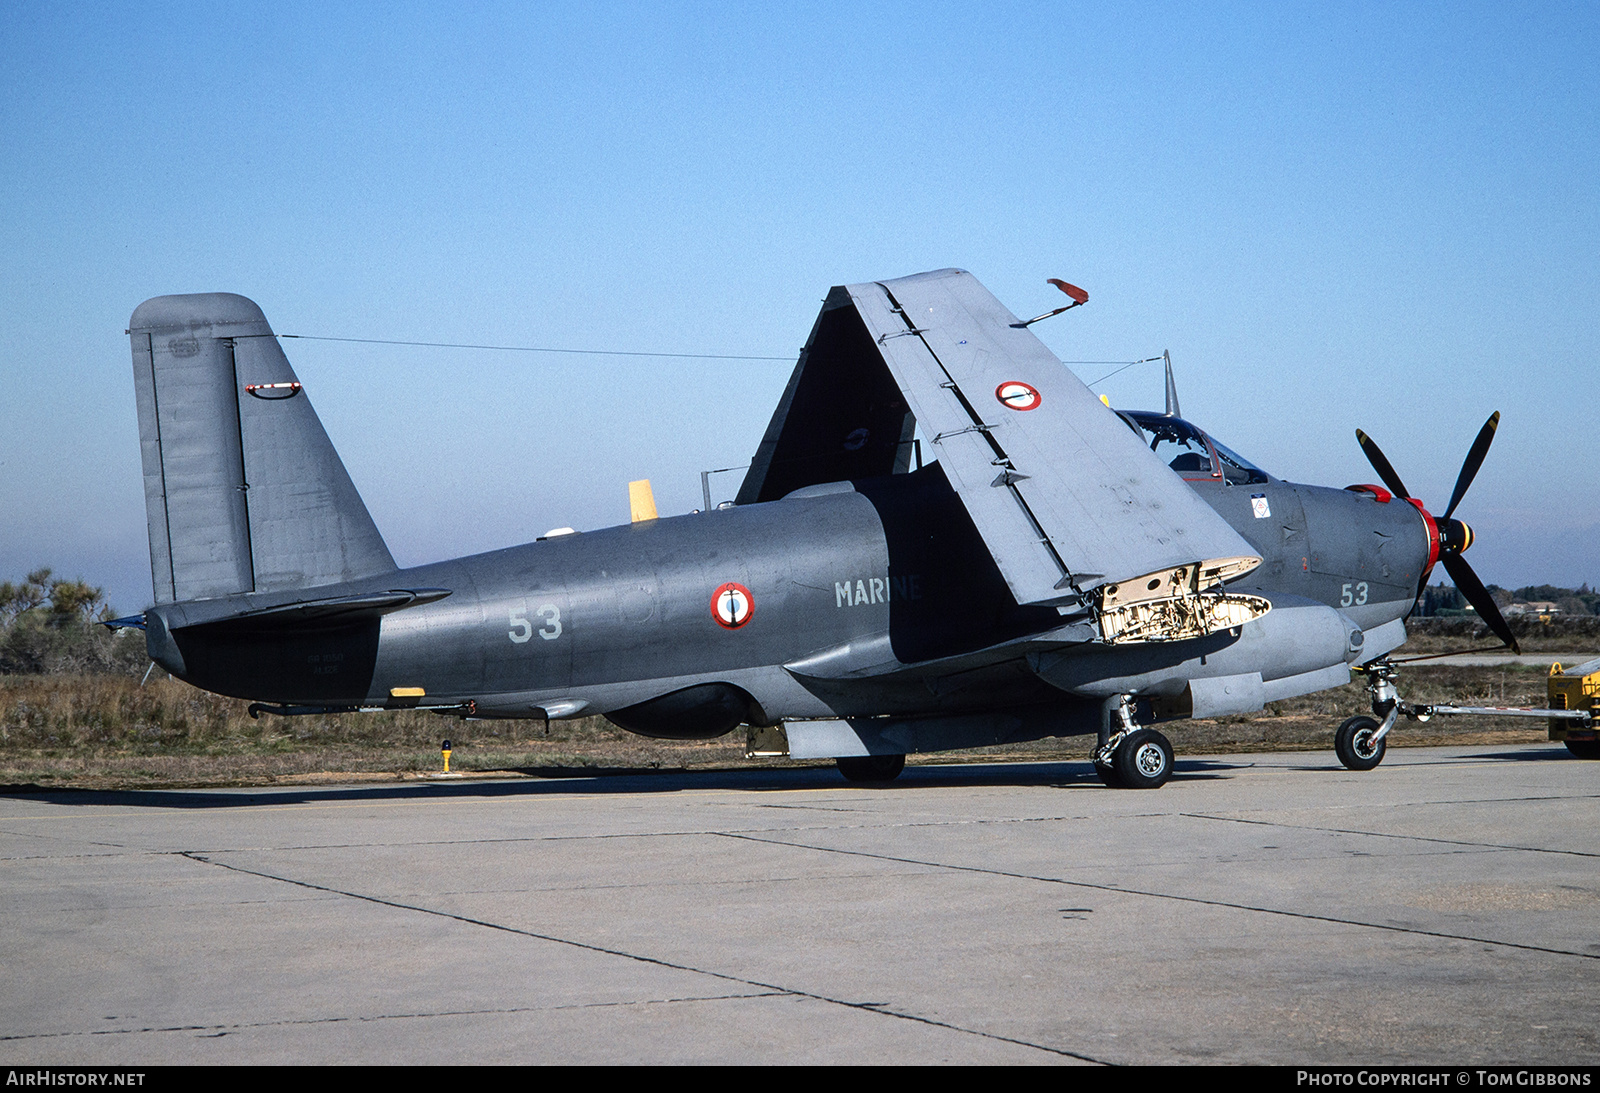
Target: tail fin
243 490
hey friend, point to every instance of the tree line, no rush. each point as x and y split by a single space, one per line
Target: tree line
1442 599
50 625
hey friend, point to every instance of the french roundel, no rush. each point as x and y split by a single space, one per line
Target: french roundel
732 605
1018 395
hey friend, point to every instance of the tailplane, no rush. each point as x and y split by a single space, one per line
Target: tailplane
243 490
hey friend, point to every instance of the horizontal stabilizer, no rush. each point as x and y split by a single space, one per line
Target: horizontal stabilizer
328 613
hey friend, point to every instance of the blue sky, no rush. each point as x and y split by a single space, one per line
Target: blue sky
1332 215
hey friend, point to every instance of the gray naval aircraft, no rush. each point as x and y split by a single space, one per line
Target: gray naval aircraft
1059 568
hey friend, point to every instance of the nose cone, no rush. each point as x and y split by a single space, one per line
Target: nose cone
1454 536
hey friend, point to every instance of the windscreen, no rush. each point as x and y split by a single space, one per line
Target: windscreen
1185 449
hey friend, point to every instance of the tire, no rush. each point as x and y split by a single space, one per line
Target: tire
1584 749
871 768
1108 776
1143 760
1353 744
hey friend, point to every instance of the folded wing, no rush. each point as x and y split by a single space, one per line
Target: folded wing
1067 497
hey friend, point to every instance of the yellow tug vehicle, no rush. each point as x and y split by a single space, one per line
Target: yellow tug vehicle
1576 689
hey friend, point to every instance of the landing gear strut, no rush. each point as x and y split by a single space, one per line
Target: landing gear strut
1359 741
1127 756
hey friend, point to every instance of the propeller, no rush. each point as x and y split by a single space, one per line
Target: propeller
1454 536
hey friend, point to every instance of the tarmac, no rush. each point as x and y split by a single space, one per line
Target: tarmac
1273 908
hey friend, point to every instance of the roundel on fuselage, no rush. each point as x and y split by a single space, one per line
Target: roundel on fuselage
732 605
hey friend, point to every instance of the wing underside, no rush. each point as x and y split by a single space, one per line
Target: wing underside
842 415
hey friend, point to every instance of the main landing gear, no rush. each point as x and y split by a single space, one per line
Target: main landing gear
1128 757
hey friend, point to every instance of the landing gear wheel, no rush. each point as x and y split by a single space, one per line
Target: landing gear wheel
871 768
1584 749
1108 775
1355 746
1143 760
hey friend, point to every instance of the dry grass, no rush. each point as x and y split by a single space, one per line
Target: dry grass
105 731
108 730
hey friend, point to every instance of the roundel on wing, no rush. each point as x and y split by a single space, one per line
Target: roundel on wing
1017 395
732 605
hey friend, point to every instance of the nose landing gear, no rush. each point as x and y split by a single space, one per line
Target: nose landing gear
1359 743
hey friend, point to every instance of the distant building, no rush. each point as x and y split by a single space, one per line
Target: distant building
1542 608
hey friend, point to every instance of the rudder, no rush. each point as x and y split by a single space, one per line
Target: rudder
243 490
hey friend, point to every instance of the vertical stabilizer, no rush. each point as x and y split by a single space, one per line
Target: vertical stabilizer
243 490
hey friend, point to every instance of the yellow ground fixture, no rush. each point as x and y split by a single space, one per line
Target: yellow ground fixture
1576 688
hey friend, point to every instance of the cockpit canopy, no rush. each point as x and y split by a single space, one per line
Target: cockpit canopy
1189 451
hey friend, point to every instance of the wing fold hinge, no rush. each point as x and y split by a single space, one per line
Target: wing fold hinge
901 333
978 428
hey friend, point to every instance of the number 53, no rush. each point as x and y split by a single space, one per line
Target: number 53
522 629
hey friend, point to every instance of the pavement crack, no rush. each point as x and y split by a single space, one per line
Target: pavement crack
218 1031
1467 843
816 808
513 840
864 1007
1199 900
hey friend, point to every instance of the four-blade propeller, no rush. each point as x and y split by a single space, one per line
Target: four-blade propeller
1454 536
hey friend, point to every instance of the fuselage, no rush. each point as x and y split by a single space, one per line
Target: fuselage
871 577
